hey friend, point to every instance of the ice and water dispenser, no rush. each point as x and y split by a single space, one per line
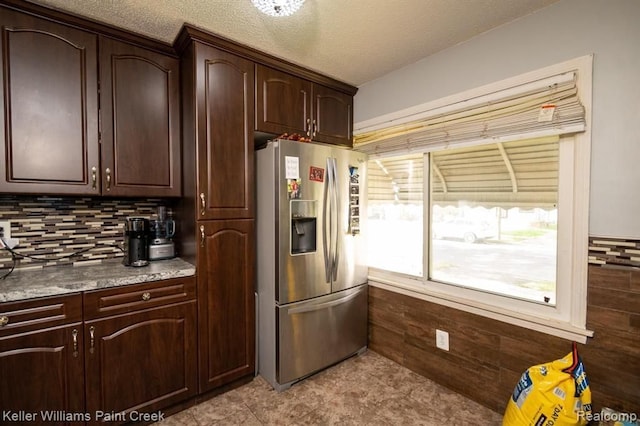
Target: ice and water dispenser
303 226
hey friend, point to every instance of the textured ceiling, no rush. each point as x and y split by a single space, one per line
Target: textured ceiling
355 41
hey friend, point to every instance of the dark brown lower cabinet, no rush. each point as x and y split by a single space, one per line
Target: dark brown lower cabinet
140 348
135 353
41 361
226 302
141 362
41 376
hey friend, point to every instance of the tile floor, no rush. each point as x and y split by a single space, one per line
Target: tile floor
364 390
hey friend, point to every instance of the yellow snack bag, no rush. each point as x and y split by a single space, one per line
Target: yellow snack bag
553 394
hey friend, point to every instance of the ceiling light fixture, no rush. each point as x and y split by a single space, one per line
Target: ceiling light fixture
278 7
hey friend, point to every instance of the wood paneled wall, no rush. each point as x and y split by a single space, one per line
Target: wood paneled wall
487 357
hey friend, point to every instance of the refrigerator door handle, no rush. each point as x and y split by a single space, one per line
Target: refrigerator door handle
320 306
336 229
325 207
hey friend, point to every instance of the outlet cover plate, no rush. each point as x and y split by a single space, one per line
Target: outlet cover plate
6 227
442 340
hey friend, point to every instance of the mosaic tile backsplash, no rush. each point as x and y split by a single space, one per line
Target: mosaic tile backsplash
52 227
614 251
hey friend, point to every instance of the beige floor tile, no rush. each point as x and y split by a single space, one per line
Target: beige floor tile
364 390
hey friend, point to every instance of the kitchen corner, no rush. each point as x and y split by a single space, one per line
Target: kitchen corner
60 280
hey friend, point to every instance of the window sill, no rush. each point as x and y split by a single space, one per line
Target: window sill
553 327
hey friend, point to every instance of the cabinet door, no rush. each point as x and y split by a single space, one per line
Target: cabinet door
140 126
226 303
48 107
332 116
224 93
43 372
283 102
141 361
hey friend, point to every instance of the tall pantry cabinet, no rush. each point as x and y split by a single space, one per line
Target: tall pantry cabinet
217 209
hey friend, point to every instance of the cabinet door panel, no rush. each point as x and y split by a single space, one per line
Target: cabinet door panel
226 302
143 361
283 102
140 121
225 134
333 115
40 372
49 80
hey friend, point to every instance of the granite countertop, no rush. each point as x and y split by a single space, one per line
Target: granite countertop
54 281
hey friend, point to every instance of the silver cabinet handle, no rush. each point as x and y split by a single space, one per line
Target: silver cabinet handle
74 335
94 178
203 204
108 172
315 127
308 127
202 236
4 320
92 331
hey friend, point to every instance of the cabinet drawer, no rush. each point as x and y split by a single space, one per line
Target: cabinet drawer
28 315
119 300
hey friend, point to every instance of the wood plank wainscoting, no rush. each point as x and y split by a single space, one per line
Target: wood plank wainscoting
487 356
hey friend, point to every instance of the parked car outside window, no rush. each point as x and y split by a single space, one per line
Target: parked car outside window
468 230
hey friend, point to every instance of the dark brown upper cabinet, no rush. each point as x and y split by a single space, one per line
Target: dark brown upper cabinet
289 104
224 93
140 121
48 107
332 116
75 121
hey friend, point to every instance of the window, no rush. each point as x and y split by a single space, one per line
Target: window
492 215
494 218
495 224
395 214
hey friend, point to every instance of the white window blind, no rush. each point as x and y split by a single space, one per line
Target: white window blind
509 114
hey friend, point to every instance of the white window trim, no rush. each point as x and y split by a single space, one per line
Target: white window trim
568 318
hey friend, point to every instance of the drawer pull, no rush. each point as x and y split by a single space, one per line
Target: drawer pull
74 334
146 296
92 331
4 320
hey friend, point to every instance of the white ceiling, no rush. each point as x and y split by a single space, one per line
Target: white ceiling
355 41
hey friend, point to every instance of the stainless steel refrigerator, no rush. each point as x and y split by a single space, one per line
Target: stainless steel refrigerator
312 274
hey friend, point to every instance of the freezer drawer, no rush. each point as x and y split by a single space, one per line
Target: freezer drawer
317 333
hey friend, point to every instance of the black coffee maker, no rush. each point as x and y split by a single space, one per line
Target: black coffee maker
136 241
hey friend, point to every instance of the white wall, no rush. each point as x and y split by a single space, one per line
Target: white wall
565 30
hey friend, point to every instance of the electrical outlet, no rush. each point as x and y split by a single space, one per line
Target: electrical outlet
5 229
442 340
